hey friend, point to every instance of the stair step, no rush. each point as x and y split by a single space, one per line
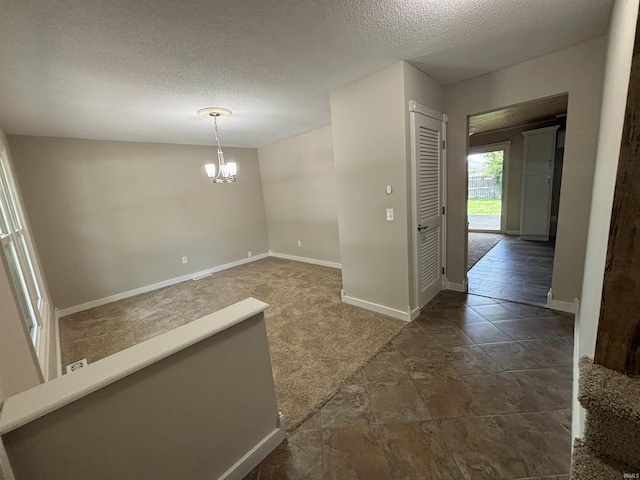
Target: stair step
587 465
613 412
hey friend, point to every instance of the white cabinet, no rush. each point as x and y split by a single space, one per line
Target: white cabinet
537 181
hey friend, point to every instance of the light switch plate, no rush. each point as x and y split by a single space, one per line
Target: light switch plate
389 214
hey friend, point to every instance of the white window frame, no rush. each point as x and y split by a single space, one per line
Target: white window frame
492 147
28 269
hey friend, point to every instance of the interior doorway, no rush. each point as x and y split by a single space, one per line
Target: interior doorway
511 151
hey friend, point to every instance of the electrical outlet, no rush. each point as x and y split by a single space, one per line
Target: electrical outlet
72 367
185 260
299 243
249 254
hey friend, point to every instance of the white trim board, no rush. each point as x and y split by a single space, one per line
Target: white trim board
569 307
56 319
155 286
456 287
429 112
578 419
374 307
253 457
313 261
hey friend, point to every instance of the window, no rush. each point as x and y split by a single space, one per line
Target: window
18 257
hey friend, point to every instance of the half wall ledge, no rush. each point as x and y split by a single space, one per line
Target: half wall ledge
195 402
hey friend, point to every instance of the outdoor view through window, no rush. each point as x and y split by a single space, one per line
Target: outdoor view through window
484 193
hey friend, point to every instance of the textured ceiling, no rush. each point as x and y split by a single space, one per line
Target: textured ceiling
138 70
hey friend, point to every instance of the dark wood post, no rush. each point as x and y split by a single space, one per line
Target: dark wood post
618 342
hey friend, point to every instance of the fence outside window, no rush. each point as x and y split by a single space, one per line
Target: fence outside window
484 186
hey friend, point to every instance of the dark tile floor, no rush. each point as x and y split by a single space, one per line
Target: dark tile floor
517 270
473 389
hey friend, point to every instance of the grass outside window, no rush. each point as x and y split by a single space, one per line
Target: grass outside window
479 206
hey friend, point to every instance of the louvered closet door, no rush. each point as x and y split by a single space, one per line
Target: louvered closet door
428 137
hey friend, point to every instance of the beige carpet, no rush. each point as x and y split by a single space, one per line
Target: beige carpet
610 444
316 341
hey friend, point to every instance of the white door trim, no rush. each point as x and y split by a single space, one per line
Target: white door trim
416 108
429 112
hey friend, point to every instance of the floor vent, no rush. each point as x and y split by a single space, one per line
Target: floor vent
200 277
72 367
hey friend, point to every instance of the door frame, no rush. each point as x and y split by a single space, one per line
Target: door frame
492 147
416 108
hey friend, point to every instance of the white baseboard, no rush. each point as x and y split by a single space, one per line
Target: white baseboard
323 263
374 307
480 230
149 288
415 313
535 238
172 281
253 457
578 419
512 232
569 307
456 287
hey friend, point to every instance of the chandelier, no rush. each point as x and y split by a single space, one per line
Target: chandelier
225 172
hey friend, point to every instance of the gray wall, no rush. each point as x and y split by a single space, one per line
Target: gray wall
370 124
578 71
299 189
109 217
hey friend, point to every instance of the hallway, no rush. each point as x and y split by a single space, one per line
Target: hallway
515 270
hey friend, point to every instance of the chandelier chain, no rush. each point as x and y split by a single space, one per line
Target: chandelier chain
215 124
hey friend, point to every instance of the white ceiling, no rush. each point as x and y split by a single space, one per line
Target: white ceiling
139 69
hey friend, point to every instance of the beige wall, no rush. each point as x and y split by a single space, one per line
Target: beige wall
110 217
19 368
578 71
367 118
299 189
370 124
